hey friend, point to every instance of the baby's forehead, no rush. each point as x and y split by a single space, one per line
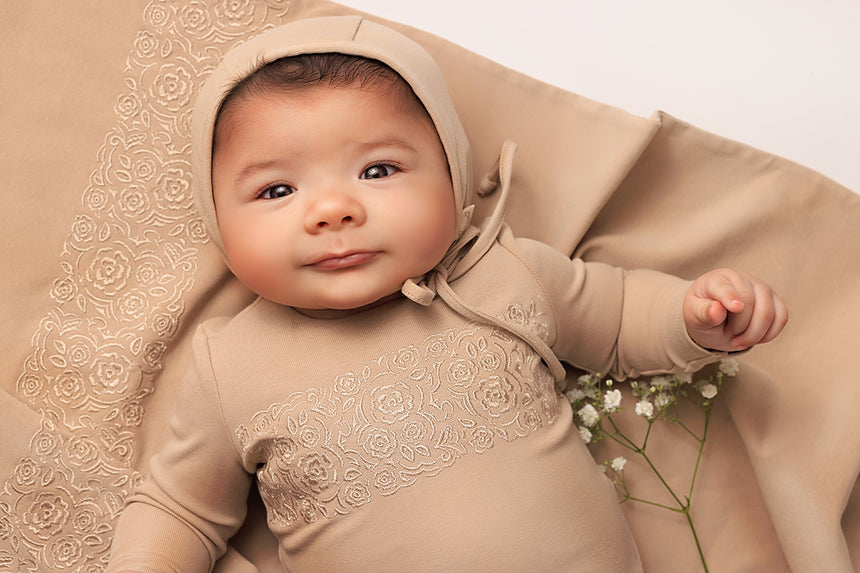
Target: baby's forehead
303 73
306 100
311 70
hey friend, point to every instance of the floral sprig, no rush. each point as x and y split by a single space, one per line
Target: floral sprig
595 399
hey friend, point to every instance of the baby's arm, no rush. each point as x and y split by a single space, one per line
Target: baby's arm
181 517
605 319
730 310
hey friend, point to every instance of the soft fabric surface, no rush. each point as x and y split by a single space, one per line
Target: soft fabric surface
107 271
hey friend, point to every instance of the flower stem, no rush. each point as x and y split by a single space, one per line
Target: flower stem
691 432
696 538
627 443
699 457
670 392
649 502
683 506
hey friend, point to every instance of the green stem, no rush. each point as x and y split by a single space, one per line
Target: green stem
681 504
649 502
699 456
691 432
648 433
696 539
630 445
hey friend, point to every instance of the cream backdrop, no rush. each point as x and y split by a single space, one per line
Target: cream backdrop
780 75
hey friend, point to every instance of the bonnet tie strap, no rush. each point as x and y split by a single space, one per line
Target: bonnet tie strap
453 300
420 292
497 178
467 251
423 289
473 242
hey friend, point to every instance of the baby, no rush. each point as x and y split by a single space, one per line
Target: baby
393 388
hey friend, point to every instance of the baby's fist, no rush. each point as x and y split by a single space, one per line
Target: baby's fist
731 310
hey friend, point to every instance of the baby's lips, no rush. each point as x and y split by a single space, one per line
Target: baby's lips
333 262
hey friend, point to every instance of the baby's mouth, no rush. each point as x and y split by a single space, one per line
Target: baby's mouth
348 260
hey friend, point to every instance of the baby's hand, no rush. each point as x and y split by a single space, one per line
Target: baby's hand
730 310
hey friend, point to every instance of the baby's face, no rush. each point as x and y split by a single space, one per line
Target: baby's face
330 198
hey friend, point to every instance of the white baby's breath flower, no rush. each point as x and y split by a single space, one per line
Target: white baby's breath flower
611 400
659 382
585 434
589 415
708 391
575 395
644 408
684 377
662 400
729 366
592 393
618 463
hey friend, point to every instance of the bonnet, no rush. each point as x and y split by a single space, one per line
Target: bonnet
357 36
352 35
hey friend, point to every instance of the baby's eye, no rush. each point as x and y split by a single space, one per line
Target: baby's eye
276 191
379 171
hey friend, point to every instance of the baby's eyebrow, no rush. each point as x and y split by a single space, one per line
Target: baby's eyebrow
362 146
381 143
252 168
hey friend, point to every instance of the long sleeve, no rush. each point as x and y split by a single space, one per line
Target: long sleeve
610 320
194 500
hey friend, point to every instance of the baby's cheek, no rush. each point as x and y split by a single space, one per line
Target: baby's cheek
250 269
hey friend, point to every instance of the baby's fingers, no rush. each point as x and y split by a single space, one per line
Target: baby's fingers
709 314
733 289
761 321
780 319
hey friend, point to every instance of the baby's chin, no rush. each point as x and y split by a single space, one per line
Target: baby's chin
338 308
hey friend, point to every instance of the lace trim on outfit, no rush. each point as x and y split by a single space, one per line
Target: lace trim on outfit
404 417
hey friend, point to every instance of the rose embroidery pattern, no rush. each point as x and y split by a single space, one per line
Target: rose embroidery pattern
125 271
408 415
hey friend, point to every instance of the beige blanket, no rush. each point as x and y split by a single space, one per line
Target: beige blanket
106 270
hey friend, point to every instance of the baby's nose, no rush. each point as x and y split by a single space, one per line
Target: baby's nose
334 211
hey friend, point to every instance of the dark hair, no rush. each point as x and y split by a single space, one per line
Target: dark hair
310 70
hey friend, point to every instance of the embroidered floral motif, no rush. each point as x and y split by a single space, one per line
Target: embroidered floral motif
408 415
529 316
126 267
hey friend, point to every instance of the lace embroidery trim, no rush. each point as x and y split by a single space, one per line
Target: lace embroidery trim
125 269
406 416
